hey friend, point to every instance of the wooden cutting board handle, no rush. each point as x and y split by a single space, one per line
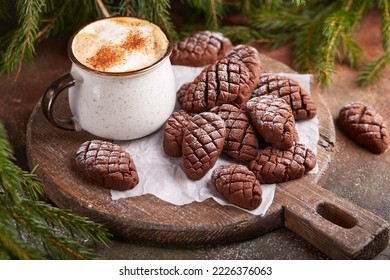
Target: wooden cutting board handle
336 226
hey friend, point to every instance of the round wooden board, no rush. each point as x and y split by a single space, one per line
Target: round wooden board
147 217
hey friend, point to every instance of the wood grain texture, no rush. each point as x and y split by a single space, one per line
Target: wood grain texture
334 225
151 219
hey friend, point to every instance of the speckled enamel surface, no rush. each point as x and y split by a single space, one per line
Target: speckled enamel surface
123 107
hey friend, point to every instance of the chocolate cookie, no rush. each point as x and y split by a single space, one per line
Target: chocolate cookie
301 103
276 166
238 185
200 49
173 132
226 81
250 56
364 126
231 79
273 119
108 164
241 141
203 142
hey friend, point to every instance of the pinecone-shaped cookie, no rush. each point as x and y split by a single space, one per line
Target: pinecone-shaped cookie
272 117
226 81
231 79
250 56
200 49
241 141
302 105
203 142
238 185
275 166
107 164
365 126
173 132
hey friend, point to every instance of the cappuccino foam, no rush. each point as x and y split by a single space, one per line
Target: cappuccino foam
119 44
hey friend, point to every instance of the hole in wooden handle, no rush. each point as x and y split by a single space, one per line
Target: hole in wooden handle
336 215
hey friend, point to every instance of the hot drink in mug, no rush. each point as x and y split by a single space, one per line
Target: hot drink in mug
121 83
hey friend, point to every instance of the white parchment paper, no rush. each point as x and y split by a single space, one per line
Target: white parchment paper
164 176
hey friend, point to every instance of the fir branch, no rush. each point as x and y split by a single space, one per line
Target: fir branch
372 72
32 229
125 8
349 51
156 11
321 30
214 18
273 40
359 13
66 221
336 24
55 23
214 10
21 45
385 6
21 181
103 8
306 46
161 16
13 247
239 34
279 20
60 246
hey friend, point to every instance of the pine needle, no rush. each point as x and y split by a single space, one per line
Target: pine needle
103 8
372 72
321 31
21 45
213 11
349 51
306 47
385 5
33 229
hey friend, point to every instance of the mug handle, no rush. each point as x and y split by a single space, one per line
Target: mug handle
49 98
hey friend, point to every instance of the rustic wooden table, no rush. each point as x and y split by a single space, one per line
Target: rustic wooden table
354 173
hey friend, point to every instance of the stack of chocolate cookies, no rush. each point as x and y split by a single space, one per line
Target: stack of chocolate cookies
233 107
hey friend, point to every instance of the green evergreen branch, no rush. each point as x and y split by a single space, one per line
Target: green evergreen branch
66 221
157 11
306 45
21 45
55 23
360 12
372 72
213 10
239 34
334 27
385 5
31 229
13 247
350 52
162 17
278 20
60 246
322 31
326 66
125 8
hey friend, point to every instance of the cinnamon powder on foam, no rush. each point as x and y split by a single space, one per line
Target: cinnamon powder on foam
111 55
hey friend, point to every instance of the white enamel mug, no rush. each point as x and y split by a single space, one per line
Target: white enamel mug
114 105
